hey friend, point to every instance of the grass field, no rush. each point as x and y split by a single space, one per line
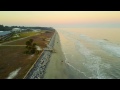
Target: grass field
13 57
20 35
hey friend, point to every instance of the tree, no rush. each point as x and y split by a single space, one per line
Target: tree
31 49
31 41
28 43
1 28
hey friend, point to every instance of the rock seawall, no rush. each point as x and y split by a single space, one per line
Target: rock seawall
38 69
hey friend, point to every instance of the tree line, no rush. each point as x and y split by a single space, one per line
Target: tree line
8 28
5 28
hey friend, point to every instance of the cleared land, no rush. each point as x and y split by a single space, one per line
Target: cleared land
13 57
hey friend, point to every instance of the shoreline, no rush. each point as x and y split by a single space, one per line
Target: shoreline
52 65
57 68
37 70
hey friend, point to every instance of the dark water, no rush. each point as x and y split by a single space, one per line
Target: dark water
4 32
92 53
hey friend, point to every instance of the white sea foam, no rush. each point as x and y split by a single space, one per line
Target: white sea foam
92 62
66 61
107 46
91 65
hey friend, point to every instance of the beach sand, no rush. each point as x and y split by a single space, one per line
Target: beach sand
56 68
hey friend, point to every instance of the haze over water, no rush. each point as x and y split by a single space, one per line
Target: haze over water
92 52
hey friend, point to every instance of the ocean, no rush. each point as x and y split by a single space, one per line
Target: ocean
91 53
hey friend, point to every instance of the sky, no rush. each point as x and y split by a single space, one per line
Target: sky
61 18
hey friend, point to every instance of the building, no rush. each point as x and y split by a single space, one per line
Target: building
16 30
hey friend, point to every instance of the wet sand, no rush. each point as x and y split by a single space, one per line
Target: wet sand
56 68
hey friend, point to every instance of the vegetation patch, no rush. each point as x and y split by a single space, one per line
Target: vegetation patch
13 57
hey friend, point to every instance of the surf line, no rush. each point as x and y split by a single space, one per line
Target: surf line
75 68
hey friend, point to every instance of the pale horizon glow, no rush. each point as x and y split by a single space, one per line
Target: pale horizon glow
61 18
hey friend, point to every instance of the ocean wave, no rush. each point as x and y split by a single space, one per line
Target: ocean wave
93 63
96 67
67 62
113 49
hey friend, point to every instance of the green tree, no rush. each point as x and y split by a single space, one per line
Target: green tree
31 41
28 44
31 49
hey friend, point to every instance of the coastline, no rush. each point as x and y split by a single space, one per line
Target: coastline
56 69
52 65
38 69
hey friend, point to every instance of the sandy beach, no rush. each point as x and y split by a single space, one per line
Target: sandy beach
56 68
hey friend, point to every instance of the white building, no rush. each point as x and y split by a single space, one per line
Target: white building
16 30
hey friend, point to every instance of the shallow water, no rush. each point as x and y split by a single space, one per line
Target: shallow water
92 52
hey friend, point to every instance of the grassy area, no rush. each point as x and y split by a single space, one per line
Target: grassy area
13 57
21 35
38 39
25 34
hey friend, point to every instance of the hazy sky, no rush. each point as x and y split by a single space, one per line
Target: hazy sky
61 18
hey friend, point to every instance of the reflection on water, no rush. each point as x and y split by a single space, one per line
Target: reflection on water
92 53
